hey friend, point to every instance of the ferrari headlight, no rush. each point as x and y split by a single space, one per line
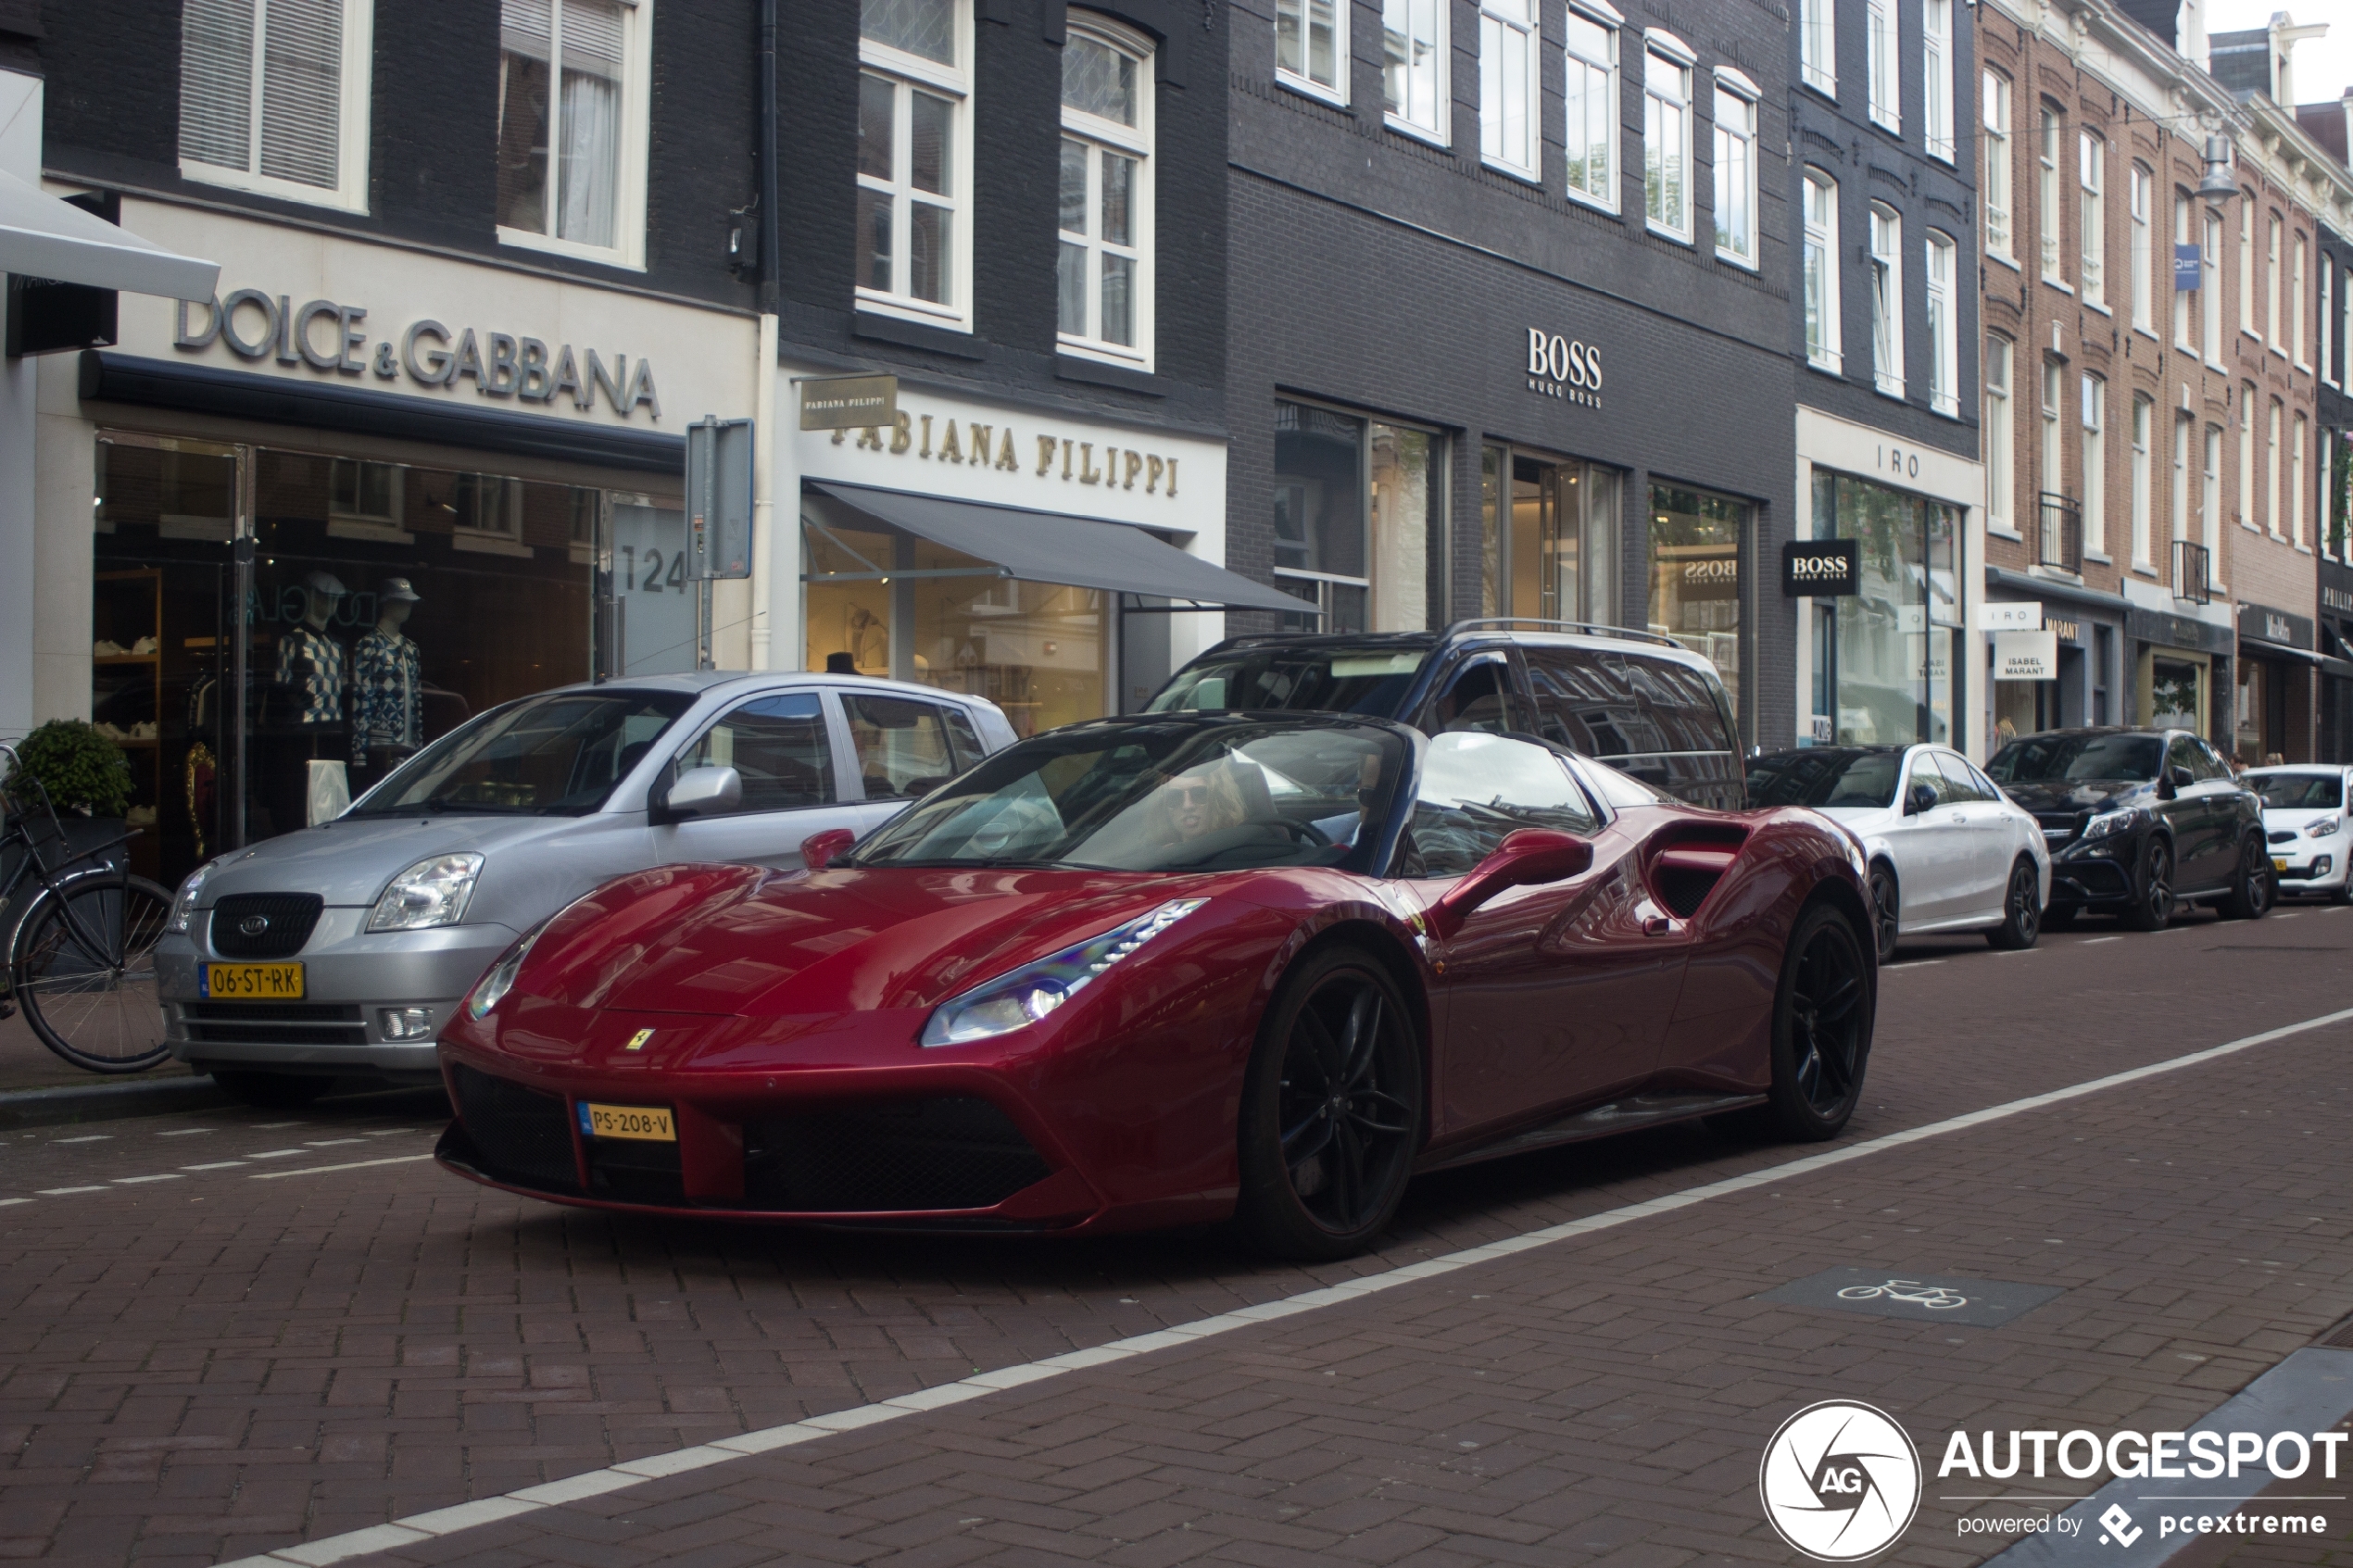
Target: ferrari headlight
1017 1000
430 893
184 904
2320 829
494 985
2108 823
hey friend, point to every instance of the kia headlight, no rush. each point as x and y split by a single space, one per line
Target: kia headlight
2320 829
2110 823
184 904
493 986
1019 1000
432 891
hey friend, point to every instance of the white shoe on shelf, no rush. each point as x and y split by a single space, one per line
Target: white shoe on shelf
102 648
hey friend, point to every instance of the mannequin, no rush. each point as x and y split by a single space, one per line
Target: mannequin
310 661
388 685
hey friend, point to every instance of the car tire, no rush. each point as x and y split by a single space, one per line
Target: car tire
1353 1107
2253 888
2342 891
272 1091
2152 905
1822 1016
2022 909
1887 907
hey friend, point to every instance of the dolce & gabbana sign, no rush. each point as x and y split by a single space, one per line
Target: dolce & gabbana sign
331 338
1568 369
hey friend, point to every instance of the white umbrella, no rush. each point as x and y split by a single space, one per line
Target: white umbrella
43 237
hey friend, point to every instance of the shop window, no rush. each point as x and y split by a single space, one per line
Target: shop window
914 159
1887 300
1590 35
777 745
1667 134
1944 332
2046 175
1936 71
487 512
1104 273
1995 173
1311 45
1817 45
903 746
2103 654
2091 225
2143 257
274 97
1697 544
2001 478
1735 168
1881 34
1359 516
1549 538
573 127
1821 271
1413 77
1510 95
363 501
1893 675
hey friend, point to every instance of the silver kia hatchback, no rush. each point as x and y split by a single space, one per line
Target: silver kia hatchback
344 949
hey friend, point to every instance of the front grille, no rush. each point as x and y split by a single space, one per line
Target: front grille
287 919
2058 827
521 1136
2284 835
630 1171
881 1157
273 1023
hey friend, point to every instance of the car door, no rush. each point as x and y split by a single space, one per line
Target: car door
1982 840
1928 844
2201 814
901 748
1551 994
781 744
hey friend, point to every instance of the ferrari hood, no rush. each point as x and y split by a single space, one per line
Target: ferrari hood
742 940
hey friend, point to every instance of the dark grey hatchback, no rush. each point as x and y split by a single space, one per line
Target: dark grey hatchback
1642 703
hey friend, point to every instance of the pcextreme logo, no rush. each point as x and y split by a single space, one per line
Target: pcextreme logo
1839 1481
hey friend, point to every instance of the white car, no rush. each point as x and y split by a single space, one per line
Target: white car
1949 851
2311 833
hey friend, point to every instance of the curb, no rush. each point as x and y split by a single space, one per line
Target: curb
107 1102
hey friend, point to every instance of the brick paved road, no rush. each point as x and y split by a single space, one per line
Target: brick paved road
219 1364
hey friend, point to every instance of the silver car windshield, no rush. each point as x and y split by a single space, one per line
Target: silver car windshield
558 755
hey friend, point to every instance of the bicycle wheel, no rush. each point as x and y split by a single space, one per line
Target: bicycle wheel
85 970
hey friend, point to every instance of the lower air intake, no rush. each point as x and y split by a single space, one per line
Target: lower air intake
891 1156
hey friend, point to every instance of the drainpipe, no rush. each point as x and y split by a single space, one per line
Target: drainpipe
763 509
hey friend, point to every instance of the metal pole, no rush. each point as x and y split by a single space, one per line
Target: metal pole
241 653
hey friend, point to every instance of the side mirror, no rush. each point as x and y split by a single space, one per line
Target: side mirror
2181 778
819 849
1527 857
699 791
1918 798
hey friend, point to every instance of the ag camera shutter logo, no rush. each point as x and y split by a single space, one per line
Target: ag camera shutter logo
1839 1481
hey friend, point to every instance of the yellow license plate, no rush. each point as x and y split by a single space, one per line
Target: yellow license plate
252 982
2279 865
647 1123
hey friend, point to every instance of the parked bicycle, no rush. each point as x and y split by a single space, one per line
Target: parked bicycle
81 959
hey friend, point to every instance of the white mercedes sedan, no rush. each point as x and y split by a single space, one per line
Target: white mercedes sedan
1949 851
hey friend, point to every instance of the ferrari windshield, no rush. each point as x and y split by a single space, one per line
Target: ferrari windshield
1825 776
2299 792
556 755
2064 759
1370 679
1175 795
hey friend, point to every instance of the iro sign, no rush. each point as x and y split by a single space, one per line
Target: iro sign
1567 369
1821 568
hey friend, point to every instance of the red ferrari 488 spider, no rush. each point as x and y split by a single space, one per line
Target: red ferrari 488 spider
1173 969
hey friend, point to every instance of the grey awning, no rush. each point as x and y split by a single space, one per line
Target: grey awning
43 237
1048 546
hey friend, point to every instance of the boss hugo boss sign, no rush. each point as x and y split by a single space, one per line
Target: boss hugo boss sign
1821 568
1568 369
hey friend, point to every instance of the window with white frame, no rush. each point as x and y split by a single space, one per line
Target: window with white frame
1820 216
2272 434
2184 479
914 159
1736 119
1667 134
2209 496
2295 483
1887 300
1936 108
1994 175
2327 323
2272 324
1590 35
1881 40
2210 289
2054 465
573 127
1103 271
1817 45
2186 301
2095 466
2142 412
2247 457
1510 95
2295 315
2046 174
2139 195
1943 330
2090 224
2246 265
1414 65
274 97
2001 478
1311 45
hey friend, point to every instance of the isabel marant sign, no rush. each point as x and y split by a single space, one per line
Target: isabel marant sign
332 338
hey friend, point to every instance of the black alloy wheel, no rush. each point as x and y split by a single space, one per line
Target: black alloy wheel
1331 1111
2253 888
1887 902
1821 1027
2152 905
2022 909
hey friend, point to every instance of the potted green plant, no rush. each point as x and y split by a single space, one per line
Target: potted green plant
87 781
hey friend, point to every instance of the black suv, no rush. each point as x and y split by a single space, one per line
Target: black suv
2137 820
1643 703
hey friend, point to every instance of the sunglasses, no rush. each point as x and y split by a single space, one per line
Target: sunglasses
1191 795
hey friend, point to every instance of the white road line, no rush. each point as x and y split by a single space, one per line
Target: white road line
167 1176
60 1192
2095 941
12 1202
182 1132
330 1143
1917 963
618 1477
90 1137
355 1165
216 1165
273 1126
276 1153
